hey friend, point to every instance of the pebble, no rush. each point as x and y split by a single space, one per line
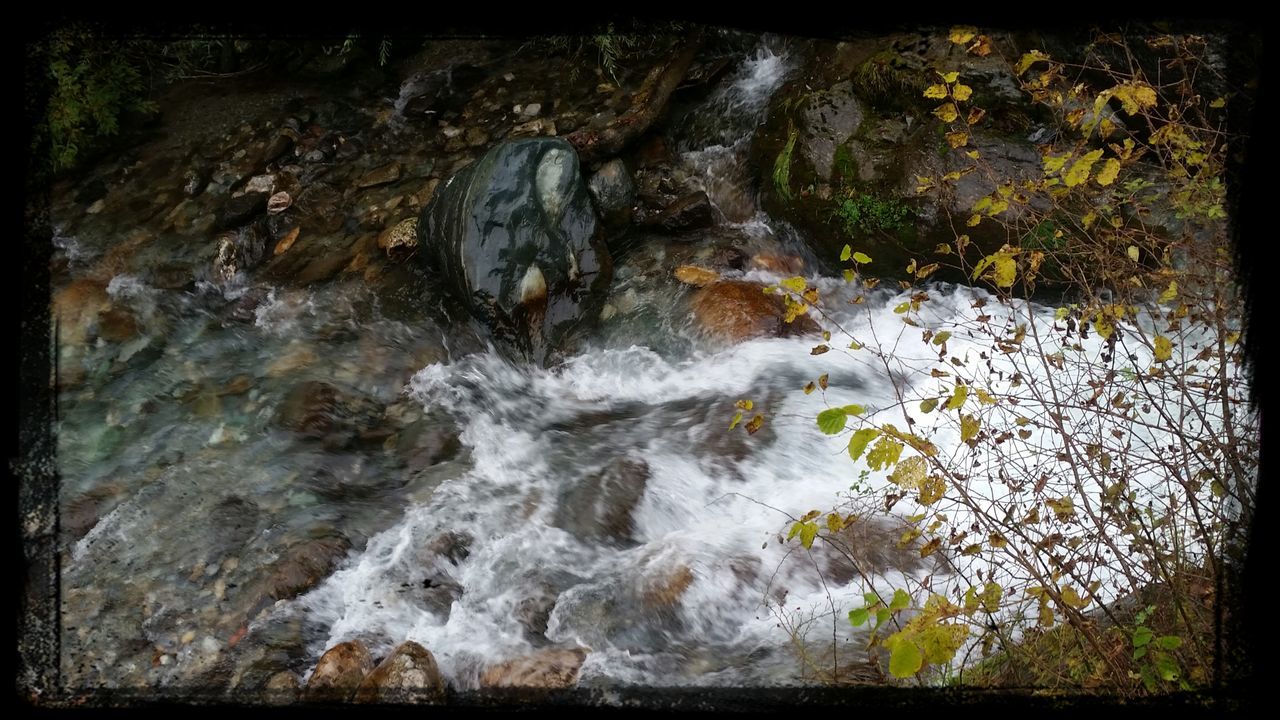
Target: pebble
188 636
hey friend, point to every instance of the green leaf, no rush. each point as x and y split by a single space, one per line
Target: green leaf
926 406
1170 642
853 409
736 419
901 599
941 337
906 659
795 530
861 258
969 428
831 420
1165 666
846 253
859 617
902 308
957 400
859 441
1142 636
882 617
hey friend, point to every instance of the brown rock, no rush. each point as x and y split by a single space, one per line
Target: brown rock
545 669
409 673
401 238
384 175
781 264
278 203
116 325
339 672
667 591
283 687
735 311
287 241
691 212
697 276
76 307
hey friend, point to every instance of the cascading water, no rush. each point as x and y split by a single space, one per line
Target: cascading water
601 504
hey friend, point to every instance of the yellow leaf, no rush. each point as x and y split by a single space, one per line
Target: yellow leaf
946 112
1133 253
950 77
1088 219
1220 102
1170 293
909 473
974 220
973 154
976 114
969 426
1135 96
961 92
796 284
957 139
932 489
962 34
1079 171
1028 60
1164 348
957 400
1053 164
936 92
1107 174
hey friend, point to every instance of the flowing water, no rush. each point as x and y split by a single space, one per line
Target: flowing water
485 525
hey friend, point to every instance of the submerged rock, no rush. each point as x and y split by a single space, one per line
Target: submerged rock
545 669
614 193
325 412
690 212
600 507
734 311
515 236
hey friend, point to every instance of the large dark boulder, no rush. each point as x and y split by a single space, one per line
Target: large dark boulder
515 236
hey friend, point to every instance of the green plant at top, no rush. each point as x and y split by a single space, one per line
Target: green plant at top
872 214
782 166
94 82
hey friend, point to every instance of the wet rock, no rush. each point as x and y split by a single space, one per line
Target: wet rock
278 203
452 546
335 416
830 118
781 264
283 687
117 325
400 239
428 441
244 308
729 257
280 145
195 180
319 208
696 276
408 674
666 591
287 241
534 612
302 566
514 236
545 669
870 546
261 184
76 308
437 593
534 128
240 251
384 175
348 477
734 311
339 673
81 514
691 212
475 137
239 210
599 507
614 193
